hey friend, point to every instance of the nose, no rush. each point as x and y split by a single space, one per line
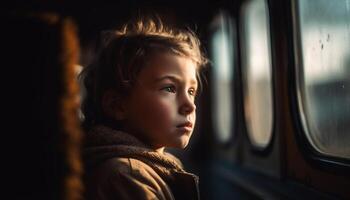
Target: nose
187 105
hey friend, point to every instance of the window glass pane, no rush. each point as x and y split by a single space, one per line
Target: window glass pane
257 72
324 76
222 57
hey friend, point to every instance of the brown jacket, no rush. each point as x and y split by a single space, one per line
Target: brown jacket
118 166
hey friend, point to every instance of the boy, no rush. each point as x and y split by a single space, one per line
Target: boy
139 99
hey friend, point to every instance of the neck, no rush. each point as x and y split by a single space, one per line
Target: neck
139 136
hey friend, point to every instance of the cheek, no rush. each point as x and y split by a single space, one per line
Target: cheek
164 110
158 110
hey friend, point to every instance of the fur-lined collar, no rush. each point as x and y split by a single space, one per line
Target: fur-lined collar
102 143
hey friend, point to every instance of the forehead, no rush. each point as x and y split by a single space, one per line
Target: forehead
163 64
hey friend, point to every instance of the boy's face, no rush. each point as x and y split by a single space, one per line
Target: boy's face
161 106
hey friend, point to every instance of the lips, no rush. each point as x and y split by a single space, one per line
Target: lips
185 125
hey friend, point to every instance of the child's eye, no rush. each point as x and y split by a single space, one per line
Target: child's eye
171 89
192 92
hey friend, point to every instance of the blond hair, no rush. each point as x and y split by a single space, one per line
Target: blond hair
123 55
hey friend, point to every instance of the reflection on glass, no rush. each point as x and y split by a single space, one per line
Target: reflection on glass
222 57
257 72
324 78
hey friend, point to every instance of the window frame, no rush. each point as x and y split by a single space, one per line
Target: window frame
214 27
262 151
319 160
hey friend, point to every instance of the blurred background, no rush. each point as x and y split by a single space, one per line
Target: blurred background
272 120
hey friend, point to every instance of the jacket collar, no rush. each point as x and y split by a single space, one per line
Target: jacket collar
102 143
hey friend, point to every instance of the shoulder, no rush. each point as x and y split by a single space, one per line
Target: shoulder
131 167
129 178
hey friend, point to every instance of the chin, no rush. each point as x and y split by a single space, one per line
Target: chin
180 143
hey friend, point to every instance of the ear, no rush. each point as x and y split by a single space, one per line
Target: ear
112 105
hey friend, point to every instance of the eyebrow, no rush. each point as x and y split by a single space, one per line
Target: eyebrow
175 79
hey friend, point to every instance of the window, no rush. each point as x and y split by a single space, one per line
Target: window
257 72
223 68
323 74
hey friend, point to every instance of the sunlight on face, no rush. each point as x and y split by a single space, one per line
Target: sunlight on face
160 108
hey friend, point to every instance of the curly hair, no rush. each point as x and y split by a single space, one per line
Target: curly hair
124 53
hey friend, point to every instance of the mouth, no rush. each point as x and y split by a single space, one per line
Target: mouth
187 126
